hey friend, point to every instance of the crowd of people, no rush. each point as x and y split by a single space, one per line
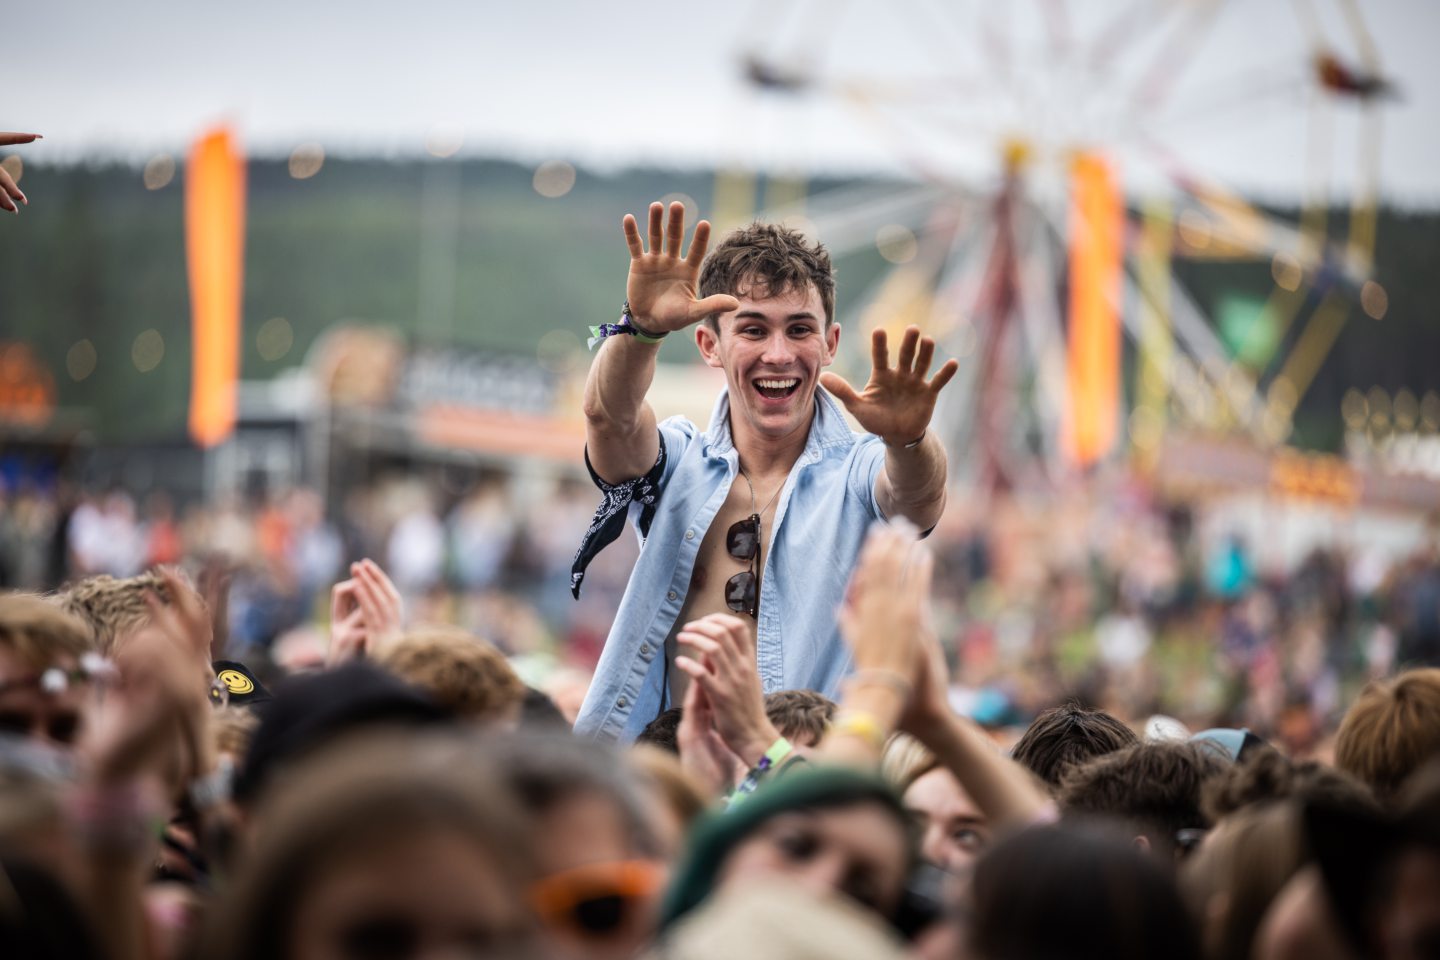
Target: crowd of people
823 710
1122 602
412 796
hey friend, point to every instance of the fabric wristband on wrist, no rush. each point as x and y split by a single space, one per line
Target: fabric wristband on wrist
625 326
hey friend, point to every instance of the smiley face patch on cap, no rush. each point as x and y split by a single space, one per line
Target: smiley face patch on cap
238 683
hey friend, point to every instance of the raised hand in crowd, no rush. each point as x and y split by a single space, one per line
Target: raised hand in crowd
366 613
9 190
897 402
145 743
882 621
661 287
900 682
726 670
703 753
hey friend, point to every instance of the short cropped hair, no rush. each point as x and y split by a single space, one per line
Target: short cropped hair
1156 787
460 672
112 608
767 259
1390 730
801 716
1068 735
39 633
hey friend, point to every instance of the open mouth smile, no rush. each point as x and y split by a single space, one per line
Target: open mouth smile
776 388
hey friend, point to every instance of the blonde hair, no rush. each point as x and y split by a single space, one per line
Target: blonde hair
460 671
904 761
112 608
38 632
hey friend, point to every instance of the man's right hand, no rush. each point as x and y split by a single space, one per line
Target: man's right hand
661 288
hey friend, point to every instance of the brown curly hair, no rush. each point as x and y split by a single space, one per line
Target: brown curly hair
768 259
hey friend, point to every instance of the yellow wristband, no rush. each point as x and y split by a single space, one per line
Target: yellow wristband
862 725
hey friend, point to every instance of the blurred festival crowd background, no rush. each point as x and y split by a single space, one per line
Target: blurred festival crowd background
302 315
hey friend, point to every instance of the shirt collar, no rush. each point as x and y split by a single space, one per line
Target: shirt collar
828 428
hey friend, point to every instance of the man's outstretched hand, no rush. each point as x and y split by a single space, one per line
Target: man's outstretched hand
9 192
662 284
897 403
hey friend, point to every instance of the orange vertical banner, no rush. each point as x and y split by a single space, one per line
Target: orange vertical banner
215 256
1097 220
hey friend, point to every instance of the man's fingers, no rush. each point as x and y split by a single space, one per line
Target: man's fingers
699 244
657 216
944 375
8 186
700 642
719 303
906 359
924 356
342 599
9 193
675 229
693 669
879 350
632 237
7 139
382 580
839 387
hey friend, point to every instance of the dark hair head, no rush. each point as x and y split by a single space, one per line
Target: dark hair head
1266 774
661 732
1068 735
766 259
801 716
1154 787
1079 891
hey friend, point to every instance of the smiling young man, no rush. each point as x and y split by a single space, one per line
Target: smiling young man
763 513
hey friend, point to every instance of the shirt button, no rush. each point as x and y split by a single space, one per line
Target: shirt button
671 595
644 649
689 534
623 702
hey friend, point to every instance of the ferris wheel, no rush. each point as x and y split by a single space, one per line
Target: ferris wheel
1111 142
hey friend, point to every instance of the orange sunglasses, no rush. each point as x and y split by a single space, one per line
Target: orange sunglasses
597 898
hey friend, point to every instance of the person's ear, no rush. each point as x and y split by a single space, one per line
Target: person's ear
832 343
709 343
1142 843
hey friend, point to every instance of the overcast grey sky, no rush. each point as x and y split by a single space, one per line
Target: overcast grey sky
620 82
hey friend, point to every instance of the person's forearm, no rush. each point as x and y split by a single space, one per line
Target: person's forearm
618 381
619 424
913 485
999 785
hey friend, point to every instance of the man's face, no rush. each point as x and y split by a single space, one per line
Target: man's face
27 709
772 351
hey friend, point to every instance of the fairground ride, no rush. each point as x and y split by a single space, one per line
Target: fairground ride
1090 114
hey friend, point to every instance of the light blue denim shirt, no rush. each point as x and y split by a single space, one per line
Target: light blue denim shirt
824 510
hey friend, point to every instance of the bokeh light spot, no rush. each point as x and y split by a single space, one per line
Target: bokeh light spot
80 360
1286 271
1406 410
444 140
1374 300
274 339
306 160
559 351
148 350
1195 229
159 171
554 178
896 243
1354 409
14 166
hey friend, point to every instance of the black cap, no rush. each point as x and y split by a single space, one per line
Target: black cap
241 686
311 710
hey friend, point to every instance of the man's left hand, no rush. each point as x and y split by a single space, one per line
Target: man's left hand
897 403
